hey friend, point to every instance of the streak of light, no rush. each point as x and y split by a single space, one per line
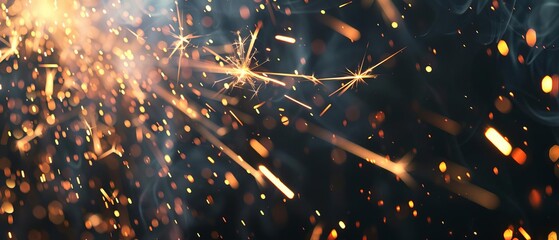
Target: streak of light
341 27
389 10
524 233
344 4
259 148
48 65
257 106
474 193
49 82
316 232
109 198
189 108
298 102
236 118
397 168
285 39
276 181
448 125
325 109
232 180
498 140
229 152
112 150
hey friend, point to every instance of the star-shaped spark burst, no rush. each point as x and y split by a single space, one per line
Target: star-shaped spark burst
181 42
241 67
358 76
11 49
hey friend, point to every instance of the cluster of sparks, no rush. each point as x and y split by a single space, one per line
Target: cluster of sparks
84 68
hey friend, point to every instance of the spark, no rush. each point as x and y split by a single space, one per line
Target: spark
276 181
259 148
344 4
236 118
181 41
325 110
498 140
358 76
285 39
298 102
242 65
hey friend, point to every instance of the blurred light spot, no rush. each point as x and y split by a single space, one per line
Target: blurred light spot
442 167
519 156
428 69
547 84
531 37
503 48
554 153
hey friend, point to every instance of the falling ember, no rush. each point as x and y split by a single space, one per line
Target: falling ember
547 84
531 37
498 140
285 39
503 48
276 181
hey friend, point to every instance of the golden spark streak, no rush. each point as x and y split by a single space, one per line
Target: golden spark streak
236 118
48 65
344 4
259 105
448 125
325 110
285 39
498 140
276 181
202 128
298 102
110 199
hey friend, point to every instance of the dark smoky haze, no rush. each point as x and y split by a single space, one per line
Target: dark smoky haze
271 119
